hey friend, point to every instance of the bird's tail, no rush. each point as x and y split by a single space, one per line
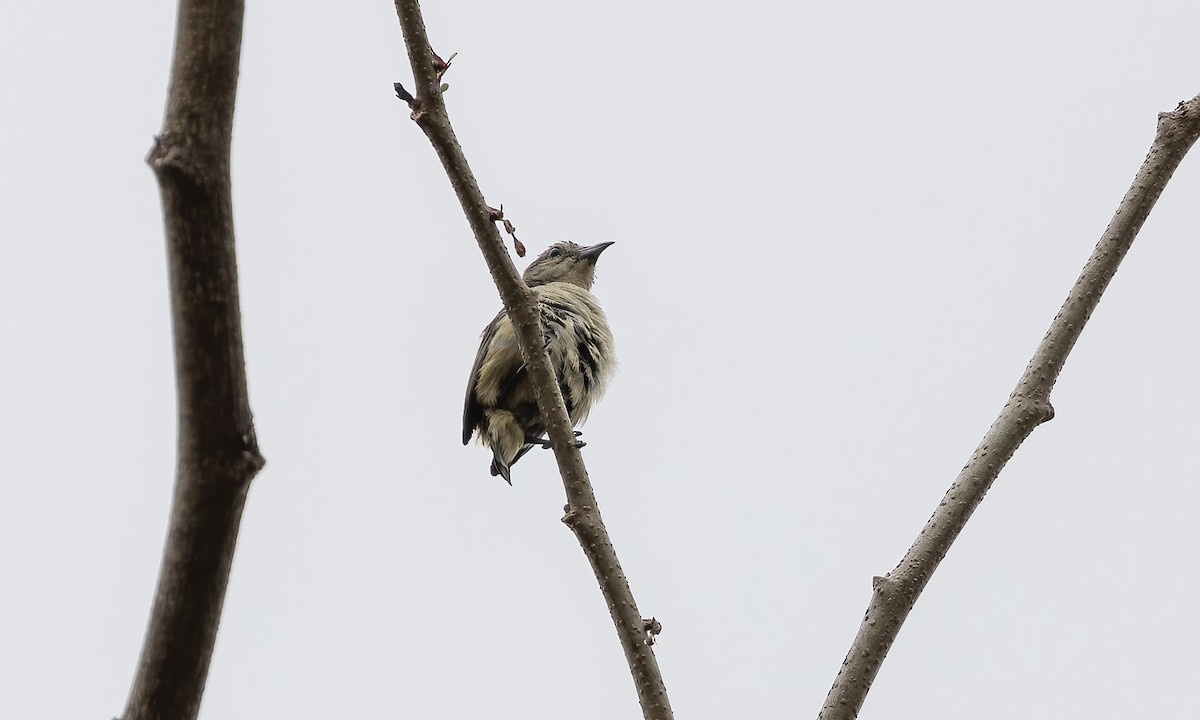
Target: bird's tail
501 468
505 436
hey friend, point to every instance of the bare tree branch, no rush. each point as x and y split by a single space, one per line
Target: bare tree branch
1028 406
217 451
582 513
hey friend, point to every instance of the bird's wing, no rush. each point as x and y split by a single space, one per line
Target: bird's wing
472 410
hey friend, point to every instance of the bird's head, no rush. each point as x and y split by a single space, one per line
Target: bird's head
565 262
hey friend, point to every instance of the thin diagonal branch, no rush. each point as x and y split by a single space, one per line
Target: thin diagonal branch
217 451
583 514
1028 406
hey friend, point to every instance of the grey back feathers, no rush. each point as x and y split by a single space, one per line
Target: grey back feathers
500 406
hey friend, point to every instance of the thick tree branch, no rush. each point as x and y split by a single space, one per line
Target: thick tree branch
217 451
1028 406
582 512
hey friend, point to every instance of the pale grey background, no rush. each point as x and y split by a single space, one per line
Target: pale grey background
841 230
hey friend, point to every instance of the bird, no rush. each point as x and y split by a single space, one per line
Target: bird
500 406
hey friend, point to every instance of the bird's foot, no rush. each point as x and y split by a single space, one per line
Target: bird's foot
546 444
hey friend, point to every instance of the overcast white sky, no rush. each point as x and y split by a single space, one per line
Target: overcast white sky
841 230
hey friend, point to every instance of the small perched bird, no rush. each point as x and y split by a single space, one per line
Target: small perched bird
500 405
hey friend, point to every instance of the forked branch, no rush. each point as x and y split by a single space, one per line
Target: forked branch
582 512
894 594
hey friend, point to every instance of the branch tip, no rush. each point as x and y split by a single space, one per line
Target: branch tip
653 628
405 95
497 215
440 66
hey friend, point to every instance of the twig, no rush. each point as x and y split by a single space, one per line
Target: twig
497 215
1028 406
217 451
582 513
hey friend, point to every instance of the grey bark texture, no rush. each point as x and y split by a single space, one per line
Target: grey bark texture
894 594
582 512
218 455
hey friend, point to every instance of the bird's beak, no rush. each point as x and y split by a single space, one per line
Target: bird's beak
593 252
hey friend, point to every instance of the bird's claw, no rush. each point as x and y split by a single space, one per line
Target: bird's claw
547 445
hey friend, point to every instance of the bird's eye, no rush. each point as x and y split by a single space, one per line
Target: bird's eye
555 251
